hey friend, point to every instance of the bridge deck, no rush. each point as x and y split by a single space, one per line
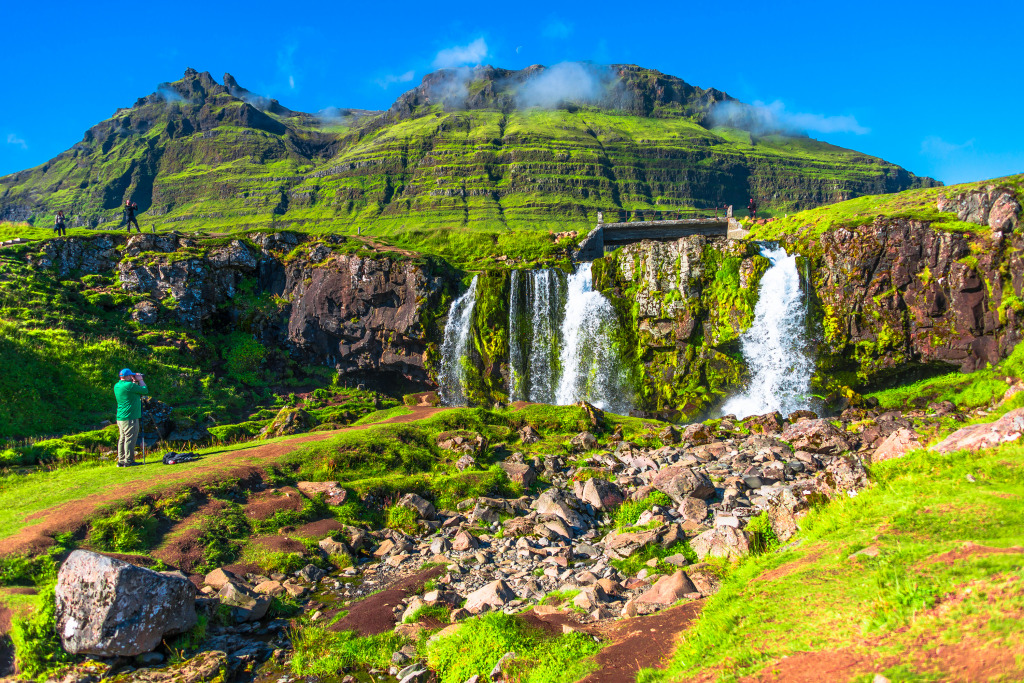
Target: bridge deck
617 234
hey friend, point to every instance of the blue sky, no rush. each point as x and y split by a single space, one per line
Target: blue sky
930 86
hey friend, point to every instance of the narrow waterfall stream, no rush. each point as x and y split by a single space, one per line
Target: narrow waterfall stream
536 305
451 376
589 362
775 345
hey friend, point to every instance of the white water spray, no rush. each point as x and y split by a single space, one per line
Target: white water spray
452 375
590 368
774 346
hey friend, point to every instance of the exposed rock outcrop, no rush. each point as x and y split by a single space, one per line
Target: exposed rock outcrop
109 608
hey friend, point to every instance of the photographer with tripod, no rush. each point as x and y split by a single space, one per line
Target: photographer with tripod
129 391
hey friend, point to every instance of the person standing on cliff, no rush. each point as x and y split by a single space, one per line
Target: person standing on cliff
130 208
60 225
128 391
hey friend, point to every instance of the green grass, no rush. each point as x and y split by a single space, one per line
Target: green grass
382 415
920 506
917 204
480 642
980 388
320 652
629 512
638 560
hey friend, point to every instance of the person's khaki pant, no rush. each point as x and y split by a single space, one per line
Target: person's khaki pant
127 440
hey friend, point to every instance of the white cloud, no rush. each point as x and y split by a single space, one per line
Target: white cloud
934 146
461 55
390 79
556 28
768 118
13 139
291 82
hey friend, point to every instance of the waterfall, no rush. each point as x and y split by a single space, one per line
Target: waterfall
774 346
546 298
516 371
536 303
452 375
589 363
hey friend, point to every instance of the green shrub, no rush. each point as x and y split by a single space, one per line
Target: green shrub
762 535
321 652
36 644
218 537
629 512
403 518
125 531
243 356
540 658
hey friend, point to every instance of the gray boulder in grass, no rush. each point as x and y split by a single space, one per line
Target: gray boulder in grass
108 608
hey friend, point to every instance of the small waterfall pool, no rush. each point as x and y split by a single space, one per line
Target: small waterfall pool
775 345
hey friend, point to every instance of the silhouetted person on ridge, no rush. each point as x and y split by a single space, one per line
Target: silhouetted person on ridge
59 225
130 208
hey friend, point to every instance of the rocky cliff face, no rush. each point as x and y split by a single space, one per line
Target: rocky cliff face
323 300
899 295
683 306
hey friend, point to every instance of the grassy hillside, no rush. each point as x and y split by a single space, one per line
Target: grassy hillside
200 155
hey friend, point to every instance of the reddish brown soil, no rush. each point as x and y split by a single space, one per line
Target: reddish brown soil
264 504
183 551
553 623
972 550
374 614
280 544
241 464
789 567
641 642
318 529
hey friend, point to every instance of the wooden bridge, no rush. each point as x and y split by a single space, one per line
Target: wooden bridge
608 236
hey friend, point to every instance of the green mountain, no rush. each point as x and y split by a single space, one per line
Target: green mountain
542 148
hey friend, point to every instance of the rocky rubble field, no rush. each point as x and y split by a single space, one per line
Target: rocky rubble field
613 530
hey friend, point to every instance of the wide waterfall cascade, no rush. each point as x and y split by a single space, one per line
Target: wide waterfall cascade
536 304
452 375
590 366
775 345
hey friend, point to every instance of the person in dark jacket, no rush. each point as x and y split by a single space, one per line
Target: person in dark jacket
130 208
752 208
60 225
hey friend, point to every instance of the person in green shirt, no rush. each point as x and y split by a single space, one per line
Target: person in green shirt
129 391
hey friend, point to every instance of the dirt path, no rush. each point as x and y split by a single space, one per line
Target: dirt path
242 464
642 642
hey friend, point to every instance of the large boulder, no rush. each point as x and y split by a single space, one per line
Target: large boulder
722 541
1009 427
109 608
602 494
816 436
332 492
584 441
897 444
697 434
245 603
422 507
679 482
493 595
769 423
519 473
669 589
288 421
562 505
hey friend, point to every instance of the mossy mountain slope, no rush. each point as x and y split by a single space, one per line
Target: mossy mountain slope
487 147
